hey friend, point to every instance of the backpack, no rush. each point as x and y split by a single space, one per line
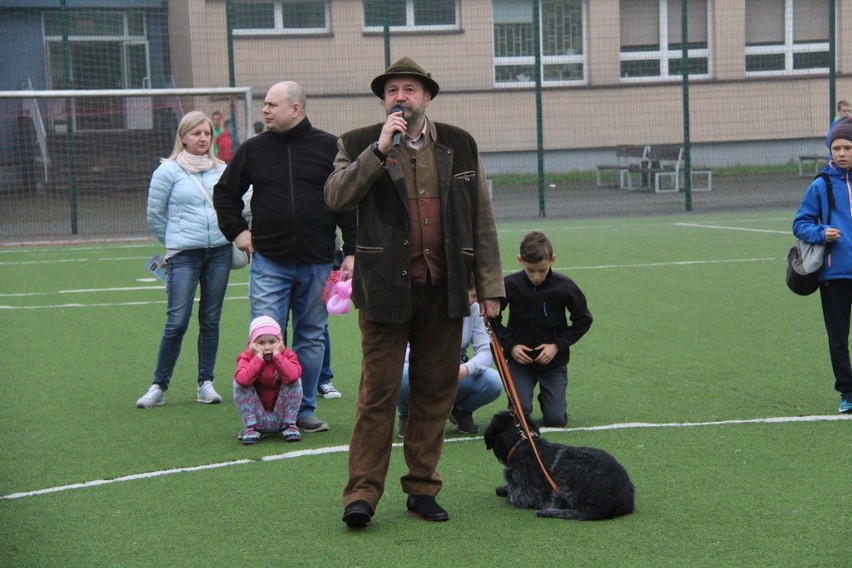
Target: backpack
805 259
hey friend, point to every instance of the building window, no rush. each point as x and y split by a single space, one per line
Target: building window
411 15
563 52
105 50
94 23
651 47
276 18
786 36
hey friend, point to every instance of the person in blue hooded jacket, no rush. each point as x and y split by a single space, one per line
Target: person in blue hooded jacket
198 254
836 272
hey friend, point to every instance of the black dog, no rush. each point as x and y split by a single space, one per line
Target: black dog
592 484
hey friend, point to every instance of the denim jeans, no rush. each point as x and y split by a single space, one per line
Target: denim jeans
326 374
211 268
474 391
277 289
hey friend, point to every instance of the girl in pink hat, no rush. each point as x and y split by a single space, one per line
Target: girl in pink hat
267 384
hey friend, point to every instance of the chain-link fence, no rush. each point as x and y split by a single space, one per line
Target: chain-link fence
579 107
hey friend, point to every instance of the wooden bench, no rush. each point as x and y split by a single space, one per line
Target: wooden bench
817 161
627 156
664 163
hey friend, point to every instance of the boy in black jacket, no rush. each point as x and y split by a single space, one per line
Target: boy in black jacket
537 336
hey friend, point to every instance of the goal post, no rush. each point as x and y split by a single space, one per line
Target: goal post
137 97
86 156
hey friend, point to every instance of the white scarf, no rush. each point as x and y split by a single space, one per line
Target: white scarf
192 163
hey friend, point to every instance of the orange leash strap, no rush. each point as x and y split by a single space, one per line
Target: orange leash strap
514 400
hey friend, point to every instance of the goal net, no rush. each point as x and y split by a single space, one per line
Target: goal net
78 163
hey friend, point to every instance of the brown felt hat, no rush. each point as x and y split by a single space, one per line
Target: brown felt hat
405 66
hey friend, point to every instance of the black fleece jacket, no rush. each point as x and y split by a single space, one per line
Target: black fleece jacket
291 223
537 315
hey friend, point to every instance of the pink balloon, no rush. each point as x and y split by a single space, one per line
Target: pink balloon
338 302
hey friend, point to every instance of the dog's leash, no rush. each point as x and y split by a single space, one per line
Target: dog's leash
514 401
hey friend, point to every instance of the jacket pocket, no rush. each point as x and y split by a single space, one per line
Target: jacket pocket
467 256
466 176
369 260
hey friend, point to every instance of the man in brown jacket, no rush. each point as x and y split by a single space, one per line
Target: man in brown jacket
425 230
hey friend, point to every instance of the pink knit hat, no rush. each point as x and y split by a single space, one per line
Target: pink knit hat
263 325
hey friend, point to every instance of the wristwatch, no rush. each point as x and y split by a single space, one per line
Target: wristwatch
378 153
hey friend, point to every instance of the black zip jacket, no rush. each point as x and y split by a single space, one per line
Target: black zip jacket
537 315
291 224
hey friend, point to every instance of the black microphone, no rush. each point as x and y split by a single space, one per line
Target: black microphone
397 135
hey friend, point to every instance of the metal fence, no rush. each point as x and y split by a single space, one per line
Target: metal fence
720 116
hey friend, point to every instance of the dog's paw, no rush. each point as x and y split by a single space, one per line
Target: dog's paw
502 491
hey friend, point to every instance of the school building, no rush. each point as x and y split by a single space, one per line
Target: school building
610 70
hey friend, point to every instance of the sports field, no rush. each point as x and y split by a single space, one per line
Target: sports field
702 374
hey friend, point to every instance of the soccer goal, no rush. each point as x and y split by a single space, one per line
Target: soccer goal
79 162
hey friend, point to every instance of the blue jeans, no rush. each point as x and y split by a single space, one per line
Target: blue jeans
277 289
326 374
211 268
474 391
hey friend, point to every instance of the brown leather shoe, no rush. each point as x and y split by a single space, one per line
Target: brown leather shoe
425 507
357 514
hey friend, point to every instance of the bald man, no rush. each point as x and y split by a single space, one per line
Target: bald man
291 238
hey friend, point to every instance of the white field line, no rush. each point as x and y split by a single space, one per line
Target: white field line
345 449
147 288
580 226
101 304
69 260
726 228
162 301
99 291
668 263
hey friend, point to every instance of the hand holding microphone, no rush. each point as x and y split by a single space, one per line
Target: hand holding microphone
397 135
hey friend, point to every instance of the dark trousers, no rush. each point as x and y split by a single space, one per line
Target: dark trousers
435 342
836 298
552 386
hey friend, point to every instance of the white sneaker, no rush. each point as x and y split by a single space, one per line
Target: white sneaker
207 394
327 390
154 397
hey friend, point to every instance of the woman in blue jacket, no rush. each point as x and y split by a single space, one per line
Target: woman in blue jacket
836 272
181 216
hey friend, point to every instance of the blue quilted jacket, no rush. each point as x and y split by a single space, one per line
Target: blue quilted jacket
179 216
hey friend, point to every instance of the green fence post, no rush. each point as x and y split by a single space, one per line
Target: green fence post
386 32
684 71
232 72
69 125
539 135
832 64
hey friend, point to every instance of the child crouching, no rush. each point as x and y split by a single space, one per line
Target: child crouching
267 385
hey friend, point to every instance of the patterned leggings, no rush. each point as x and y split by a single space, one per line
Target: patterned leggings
283 414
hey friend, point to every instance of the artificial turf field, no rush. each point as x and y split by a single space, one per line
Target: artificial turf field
702 374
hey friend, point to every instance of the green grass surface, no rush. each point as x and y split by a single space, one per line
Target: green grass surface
693 325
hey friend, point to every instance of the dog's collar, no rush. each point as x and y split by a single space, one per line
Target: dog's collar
515 446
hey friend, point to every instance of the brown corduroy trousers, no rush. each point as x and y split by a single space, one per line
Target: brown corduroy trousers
434 359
